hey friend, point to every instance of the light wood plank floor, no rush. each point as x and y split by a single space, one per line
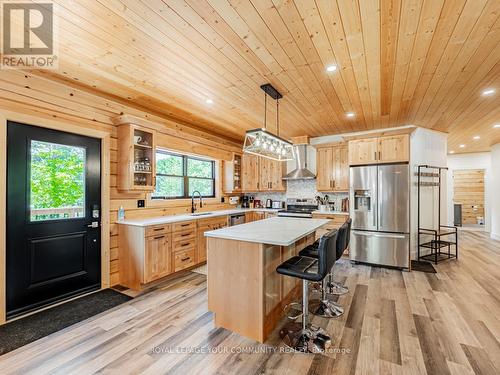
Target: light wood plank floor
395 323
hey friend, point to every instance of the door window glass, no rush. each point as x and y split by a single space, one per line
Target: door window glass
57 186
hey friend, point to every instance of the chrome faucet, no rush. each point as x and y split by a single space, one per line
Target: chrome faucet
193 206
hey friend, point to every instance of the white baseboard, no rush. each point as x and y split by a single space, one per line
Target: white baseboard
495 236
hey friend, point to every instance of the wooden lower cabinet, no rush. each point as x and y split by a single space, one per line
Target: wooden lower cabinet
205 225
336 221
157 258
150 253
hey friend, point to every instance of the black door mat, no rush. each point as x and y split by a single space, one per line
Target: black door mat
21 332
422 266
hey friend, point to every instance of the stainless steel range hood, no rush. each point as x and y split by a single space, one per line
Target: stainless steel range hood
300 172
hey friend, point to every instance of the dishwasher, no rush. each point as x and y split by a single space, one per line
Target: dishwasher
236 219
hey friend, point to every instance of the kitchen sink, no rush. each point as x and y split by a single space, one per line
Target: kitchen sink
201 214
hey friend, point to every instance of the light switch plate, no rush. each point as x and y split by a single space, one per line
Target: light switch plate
140 203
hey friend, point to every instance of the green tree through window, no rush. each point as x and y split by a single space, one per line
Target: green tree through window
177 176
57 187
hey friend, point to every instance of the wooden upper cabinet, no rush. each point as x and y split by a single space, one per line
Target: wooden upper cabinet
341 168
332 168
262 174
394 149
136 158
363 151
250 173
324 169
278 171
389 149
265 174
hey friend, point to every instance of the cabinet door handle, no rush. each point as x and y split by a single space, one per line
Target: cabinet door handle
186 244
375 154
380 155
184 259
185 234
334 183
185 225
158 229
159 237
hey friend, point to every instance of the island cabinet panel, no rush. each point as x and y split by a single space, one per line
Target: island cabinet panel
236 295
272 279
254 303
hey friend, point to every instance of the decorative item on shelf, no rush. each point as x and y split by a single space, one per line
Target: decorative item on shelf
263 143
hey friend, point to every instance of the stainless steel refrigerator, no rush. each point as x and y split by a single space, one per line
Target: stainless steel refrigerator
380 212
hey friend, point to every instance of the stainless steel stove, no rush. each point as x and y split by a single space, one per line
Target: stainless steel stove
298 208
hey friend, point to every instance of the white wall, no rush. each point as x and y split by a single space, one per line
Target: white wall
495 189
427 147
480 160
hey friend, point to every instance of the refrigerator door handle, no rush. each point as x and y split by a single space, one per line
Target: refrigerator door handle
389 235
363 234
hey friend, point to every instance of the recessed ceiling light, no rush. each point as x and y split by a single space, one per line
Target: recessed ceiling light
209 101
488 92
331 68
461 146
476 137
452 152
350 114
496 126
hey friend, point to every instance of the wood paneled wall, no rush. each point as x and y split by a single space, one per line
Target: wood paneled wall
37 96
468 190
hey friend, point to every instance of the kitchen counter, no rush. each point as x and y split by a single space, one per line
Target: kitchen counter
177 218
281 231
330 212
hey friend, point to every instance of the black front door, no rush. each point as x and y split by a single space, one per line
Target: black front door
53 216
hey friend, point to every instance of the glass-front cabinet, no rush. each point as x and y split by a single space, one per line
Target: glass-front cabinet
136 158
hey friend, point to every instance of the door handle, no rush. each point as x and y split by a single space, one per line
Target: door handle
94 224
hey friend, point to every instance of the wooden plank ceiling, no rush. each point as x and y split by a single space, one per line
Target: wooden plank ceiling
421 62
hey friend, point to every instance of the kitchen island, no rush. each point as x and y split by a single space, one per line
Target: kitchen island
245 293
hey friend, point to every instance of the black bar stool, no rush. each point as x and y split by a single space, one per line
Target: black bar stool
323 306
336 287
310 339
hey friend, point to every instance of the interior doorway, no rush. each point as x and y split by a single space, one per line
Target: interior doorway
468 198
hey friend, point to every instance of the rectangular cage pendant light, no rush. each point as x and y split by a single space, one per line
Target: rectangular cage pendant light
262 142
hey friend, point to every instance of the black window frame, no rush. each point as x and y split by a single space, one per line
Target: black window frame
185 176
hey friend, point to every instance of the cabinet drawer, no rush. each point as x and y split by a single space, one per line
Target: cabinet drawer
156 230
184 245
183 235
183 225
184 259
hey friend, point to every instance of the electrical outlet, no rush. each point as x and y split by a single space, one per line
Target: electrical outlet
141 203
222 199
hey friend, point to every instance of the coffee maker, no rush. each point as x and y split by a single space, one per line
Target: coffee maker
244 202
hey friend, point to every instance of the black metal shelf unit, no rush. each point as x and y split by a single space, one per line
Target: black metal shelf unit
445 237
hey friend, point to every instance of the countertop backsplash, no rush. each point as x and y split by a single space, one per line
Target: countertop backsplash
300 189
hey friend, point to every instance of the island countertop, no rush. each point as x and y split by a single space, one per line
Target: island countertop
281 231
